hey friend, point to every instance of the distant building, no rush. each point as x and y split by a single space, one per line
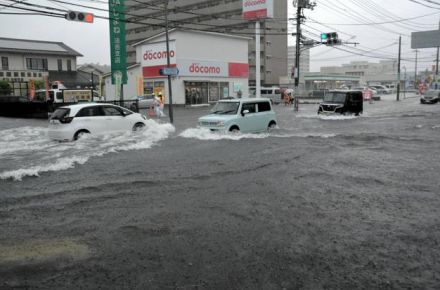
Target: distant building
304 66
23 60
214 16
384 72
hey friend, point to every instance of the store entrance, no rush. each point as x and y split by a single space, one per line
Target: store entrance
200 93
154 88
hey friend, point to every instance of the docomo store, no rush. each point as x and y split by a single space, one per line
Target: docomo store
211 66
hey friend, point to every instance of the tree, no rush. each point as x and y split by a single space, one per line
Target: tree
5 88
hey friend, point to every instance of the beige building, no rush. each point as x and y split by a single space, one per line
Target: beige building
146 20
383 72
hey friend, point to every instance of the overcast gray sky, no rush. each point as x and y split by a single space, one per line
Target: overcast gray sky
92 40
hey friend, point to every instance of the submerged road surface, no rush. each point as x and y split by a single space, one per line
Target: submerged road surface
320 203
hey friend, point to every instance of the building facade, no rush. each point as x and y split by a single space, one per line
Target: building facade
304 61
24 60
147 19
211 66
384 72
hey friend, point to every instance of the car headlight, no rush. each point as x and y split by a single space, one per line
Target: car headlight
221 124
144 117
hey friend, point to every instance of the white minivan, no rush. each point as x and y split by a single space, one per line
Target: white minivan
272 93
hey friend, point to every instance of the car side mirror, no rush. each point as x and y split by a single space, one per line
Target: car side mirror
245 112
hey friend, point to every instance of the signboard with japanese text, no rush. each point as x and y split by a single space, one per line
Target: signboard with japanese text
257 9
117 40
425 39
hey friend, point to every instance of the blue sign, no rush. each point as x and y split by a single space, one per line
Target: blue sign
169 71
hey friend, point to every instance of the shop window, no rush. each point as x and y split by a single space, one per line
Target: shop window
69 65
60 64
196 93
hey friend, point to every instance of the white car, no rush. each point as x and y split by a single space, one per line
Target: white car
71 122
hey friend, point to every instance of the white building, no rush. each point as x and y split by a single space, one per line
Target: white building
304 66
384 72
211 66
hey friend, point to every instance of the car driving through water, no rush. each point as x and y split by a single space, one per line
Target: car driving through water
71 122
342 102
240 115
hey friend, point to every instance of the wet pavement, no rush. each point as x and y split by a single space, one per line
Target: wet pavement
319 203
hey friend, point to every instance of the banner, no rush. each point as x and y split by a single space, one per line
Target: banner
117 40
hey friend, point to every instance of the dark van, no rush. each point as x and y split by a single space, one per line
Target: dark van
342 102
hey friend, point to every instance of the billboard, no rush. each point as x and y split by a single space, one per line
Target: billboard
425 39
257 9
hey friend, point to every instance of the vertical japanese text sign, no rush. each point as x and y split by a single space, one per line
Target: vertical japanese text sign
117 40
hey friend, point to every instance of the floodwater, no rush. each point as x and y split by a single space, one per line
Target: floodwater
318 203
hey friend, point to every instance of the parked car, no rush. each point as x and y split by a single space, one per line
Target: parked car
240 115
430 97
71 122
382 89
342 102
368 93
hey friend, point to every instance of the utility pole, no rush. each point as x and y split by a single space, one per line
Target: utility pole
257 59
170 106
297 55
398 68
436 64
300 5
415 73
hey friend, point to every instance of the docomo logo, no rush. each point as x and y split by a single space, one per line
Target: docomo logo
149 55
197 68
251 3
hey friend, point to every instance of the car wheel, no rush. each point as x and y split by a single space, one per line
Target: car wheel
80 134
138 126
272 125
234 129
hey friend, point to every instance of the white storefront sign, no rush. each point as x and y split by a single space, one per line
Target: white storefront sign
202 68
156 54
257 9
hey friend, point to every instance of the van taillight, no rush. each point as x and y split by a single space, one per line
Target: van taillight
66 120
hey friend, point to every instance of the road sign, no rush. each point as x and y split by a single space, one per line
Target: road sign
425 39
169 71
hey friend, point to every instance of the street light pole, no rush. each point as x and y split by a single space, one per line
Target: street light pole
170 106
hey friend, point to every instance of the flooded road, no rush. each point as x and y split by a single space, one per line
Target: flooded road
318 203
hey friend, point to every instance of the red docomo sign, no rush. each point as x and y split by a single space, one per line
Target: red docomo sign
251 3
150 55
197 68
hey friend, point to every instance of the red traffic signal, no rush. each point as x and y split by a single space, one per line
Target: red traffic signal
80 16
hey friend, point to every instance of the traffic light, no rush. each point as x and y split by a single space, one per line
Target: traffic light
80 16
331 38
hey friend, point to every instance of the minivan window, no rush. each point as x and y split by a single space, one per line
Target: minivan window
90 112
335 97
263 107
265 92
248 106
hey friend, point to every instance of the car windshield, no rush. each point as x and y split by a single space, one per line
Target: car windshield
335 97
225 108
60 114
